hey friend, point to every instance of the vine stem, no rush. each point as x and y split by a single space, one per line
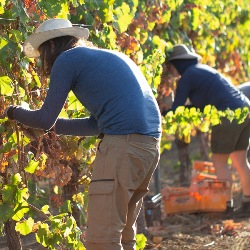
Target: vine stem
38 210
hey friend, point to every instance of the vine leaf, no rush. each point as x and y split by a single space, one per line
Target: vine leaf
20 210
66 207
124 17
5 86
32 166
25 227
2 3
45 209
6 212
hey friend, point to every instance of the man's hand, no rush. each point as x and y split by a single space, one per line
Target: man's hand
9 112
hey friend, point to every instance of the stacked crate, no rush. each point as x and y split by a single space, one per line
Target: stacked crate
205 194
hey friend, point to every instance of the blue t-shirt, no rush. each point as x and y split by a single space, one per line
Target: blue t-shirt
108 84
203 86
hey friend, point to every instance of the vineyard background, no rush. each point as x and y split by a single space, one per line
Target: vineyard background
144 30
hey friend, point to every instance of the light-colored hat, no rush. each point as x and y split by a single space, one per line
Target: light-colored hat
181 51
51 29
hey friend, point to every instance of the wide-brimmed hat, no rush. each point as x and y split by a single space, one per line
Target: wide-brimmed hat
51 29
181 51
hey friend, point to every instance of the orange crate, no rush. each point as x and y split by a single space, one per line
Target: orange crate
202 176
179 200
203 170
204 166
213 195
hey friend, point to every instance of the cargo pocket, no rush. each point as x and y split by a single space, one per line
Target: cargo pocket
100 209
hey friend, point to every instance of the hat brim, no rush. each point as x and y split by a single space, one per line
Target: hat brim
33 42
186 56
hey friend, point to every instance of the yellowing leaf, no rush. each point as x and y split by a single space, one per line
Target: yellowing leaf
5 86
180 109
123 17
20 211
63 114
3 41
140 241
205 126
32 166
64 11
22 195
73 102
67 232
25 227
16 179
45 209
56 189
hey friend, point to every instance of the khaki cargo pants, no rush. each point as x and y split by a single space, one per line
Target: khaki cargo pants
122 172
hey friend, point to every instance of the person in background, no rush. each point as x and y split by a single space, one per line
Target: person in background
203 85
122 110
245 89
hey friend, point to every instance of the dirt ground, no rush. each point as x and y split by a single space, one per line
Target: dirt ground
196 231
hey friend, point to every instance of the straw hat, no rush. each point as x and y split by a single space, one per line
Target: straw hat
181 51
51 29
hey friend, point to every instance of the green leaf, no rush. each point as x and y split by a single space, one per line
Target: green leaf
123 17
73 102
3 42
205 126
106 12
37 80
195 18
20 210
45 209
66 207
207 109
16 36
2 3
25 227
21 92
22 195
141 241
55 189
32 166
6 147
64 12
9 193
5 86
2 129
42 234
63 114
6 212
16 179
80 246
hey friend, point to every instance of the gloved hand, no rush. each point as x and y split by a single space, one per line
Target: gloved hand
9 112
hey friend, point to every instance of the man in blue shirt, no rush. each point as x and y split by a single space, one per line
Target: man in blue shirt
203 85
123 109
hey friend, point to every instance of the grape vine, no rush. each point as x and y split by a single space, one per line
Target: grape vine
141 29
